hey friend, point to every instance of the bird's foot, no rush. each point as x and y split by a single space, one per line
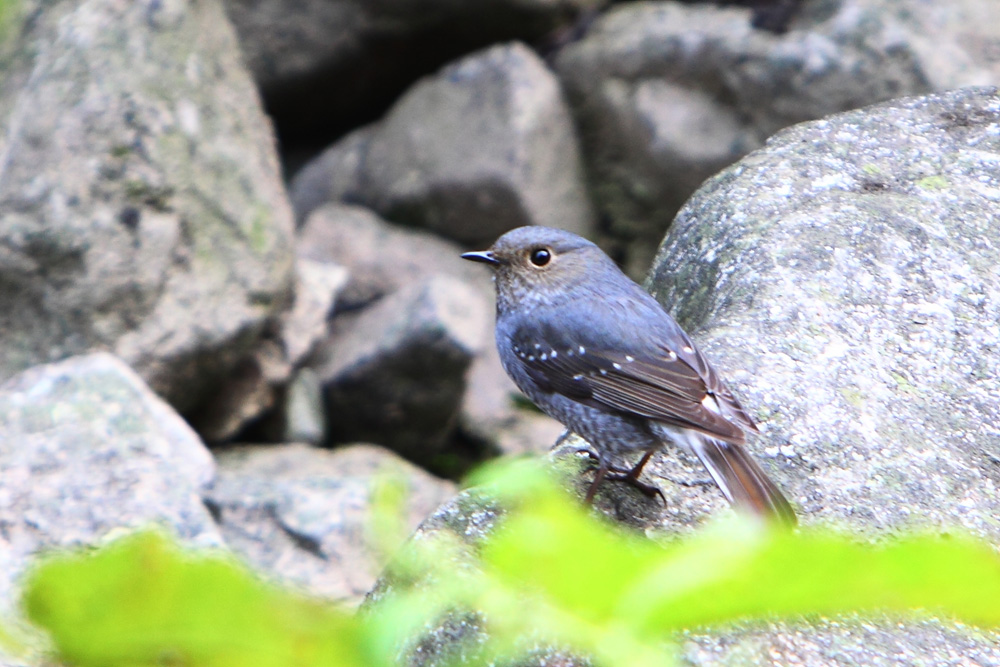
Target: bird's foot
648 490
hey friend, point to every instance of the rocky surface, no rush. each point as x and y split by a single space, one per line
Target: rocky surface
844 280
324 64
260 382
483 146
396 374
379 256
666 94
87 450
843 277
303 515
140 194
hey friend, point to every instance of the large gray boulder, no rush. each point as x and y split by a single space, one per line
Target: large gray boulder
141 205
86 449
485 145
844 279
667 94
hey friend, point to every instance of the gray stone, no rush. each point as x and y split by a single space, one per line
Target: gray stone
86 449
302 515
380 257
304 418
845 279
667 94
328 62
395 374
484 146
258 382
141 201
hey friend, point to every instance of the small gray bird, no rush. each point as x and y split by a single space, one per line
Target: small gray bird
594 350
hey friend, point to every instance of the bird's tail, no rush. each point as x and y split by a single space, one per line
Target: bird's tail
742 481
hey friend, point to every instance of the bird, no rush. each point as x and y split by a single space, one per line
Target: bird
594 350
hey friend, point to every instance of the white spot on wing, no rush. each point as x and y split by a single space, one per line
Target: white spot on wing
688 349
582 349
617 366
629 358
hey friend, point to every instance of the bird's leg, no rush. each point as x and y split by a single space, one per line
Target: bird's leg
602 471
595 457
632 477
637 468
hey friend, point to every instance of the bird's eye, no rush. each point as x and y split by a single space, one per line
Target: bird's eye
540 256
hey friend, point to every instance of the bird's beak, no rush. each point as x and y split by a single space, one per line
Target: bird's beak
484 256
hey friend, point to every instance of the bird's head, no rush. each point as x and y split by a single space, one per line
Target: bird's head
532 264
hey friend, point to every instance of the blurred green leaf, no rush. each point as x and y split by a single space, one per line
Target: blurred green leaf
551 575
142 601
739 569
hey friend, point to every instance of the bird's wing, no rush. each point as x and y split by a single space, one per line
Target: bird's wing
656 373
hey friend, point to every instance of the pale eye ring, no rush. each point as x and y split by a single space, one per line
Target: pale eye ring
540 256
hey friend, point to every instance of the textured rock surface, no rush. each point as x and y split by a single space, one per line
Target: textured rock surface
844 280
87 448
484 146
380 257
141 204
302 515
395 374
325 63
260 380
667 94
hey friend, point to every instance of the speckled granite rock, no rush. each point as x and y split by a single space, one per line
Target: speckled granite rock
301 514
142 207
87 448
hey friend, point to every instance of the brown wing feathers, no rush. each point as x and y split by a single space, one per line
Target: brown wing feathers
666 389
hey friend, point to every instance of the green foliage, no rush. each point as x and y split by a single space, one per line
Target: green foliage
551 573
143 601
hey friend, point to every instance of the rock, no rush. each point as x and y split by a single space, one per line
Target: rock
142 205
302 515
843 279
304 418
326 64
464 522
484 146
86 449
395 373
667 94
259 380
379 256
